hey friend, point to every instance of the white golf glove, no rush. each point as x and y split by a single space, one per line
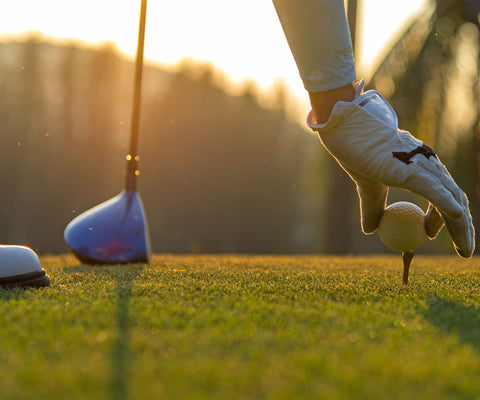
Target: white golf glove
364 138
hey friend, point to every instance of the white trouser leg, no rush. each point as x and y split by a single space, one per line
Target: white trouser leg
319 38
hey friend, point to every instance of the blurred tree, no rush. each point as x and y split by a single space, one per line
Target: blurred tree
25 134
225 170
341 217
430 76
219 173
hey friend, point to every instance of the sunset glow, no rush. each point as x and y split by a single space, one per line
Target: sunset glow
242 39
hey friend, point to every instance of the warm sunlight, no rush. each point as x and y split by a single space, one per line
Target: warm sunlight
243 39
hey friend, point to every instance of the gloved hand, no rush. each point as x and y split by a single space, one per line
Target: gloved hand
364 138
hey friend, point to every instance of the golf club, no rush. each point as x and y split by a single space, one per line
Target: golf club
116 231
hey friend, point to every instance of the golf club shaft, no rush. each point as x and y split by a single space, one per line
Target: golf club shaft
132 158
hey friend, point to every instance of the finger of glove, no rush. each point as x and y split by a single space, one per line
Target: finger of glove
457 219
463 234
373 199
428 185
460 228
436 169
433 222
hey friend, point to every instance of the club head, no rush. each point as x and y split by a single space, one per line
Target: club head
114 232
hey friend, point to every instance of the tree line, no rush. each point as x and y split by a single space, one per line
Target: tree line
219 173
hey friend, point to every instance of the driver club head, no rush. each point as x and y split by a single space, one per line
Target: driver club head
113 232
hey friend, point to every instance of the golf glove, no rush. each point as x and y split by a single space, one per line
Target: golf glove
364 138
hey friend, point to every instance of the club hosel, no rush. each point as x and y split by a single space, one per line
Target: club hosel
131 178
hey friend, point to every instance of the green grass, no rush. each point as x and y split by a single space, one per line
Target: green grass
240 327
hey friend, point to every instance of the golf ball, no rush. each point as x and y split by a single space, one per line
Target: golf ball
402 227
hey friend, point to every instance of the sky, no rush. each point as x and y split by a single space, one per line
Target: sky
243 39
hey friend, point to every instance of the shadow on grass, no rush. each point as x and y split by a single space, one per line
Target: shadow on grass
121 357
456 318
13 293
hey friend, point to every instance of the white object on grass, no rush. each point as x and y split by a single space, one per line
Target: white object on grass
402 227
20 266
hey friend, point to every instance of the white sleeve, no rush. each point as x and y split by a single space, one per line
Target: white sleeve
319 37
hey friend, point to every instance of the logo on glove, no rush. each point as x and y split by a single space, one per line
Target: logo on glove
405 157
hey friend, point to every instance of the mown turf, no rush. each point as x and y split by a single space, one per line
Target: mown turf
241 327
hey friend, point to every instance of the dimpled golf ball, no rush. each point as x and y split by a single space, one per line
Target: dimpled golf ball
402 227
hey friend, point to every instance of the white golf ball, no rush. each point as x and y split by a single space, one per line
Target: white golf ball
402 227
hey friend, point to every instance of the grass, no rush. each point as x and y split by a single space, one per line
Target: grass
245 327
